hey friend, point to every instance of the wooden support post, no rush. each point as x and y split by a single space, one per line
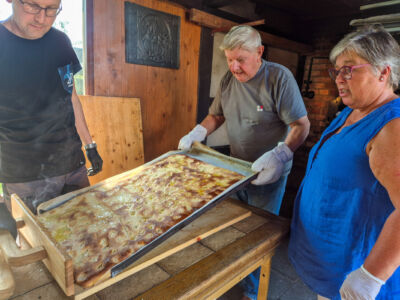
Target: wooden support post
264 278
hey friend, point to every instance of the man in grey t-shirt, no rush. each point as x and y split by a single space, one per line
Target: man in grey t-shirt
264 113
265 117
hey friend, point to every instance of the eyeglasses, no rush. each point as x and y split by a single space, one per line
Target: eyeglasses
34 9
345 71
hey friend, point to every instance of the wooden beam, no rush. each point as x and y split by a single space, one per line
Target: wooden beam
379 4
189 3
253 23
385 19
218 3
207 20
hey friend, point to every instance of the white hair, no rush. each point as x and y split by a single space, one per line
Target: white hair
242 36
374 44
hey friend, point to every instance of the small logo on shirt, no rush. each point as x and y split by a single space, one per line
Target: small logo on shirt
260 108
67 77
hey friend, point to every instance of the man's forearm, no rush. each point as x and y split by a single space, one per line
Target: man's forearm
80 121
212 122
298 133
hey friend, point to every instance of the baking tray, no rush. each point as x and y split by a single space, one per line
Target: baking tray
207 155
198 151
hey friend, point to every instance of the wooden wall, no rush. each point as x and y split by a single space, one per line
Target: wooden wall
168 96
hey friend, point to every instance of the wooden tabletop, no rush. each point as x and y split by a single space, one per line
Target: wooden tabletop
193 273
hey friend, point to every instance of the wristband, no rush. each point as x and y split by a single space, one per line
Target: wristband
92 145
284 152
372 276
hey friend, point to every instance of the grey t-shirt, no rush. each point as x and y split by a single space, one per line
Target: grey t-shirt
258 112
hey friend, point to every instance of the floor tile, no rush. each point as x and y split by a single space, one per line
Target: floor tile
299 291
279 285
280 261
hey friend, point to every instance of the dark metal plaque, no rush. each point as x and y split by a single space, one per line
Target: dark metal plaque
152 37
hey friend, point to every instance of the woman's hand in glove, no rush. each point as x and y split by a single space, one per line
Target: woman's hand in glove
360 285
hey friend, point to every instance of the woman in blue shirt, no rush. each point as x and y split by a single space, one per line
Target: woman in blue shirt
345 237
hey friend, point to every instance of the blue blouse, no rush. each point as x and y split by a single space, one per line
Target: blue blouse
341 207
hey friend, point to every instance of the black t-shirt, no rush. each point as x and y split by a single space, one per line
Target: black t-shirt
38 137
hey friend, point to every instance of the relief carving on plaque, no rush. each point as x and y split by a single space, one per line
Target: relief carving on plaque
152 37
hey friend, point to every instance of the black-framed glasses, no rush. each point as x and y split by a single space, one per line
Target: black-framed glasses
345 71
34 9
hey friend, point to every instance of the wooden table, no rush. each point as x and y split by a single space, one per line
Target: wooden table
204 270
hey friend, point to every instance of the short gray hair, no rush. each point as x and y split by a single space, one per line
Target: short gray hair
242 36
374 44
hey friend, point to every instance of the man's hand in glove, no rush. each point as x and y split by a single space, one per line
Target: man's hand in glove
197 134
94 158
360 285
271 164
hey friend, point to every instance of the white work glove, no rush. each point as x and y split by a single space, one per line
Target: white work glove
197 134
271 164
360 285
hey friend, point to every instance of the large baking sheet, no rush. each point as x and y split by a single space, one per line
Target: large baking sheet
205 154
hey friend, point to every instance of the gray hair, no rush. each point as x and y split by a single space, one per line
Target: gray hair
242 36
374 44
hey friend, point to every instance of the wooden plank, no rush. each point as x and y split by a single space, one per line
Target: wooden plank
284 223
385 20
208 20
16 257
223 215
7 283
58 262
253 23
379 4
205 19
116 125
215 271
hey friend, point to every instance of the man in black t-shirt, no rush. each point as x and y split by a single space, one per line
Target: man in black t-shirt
42 125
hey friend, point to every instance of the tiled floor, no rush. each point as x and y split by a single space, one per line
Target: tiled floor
284 282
